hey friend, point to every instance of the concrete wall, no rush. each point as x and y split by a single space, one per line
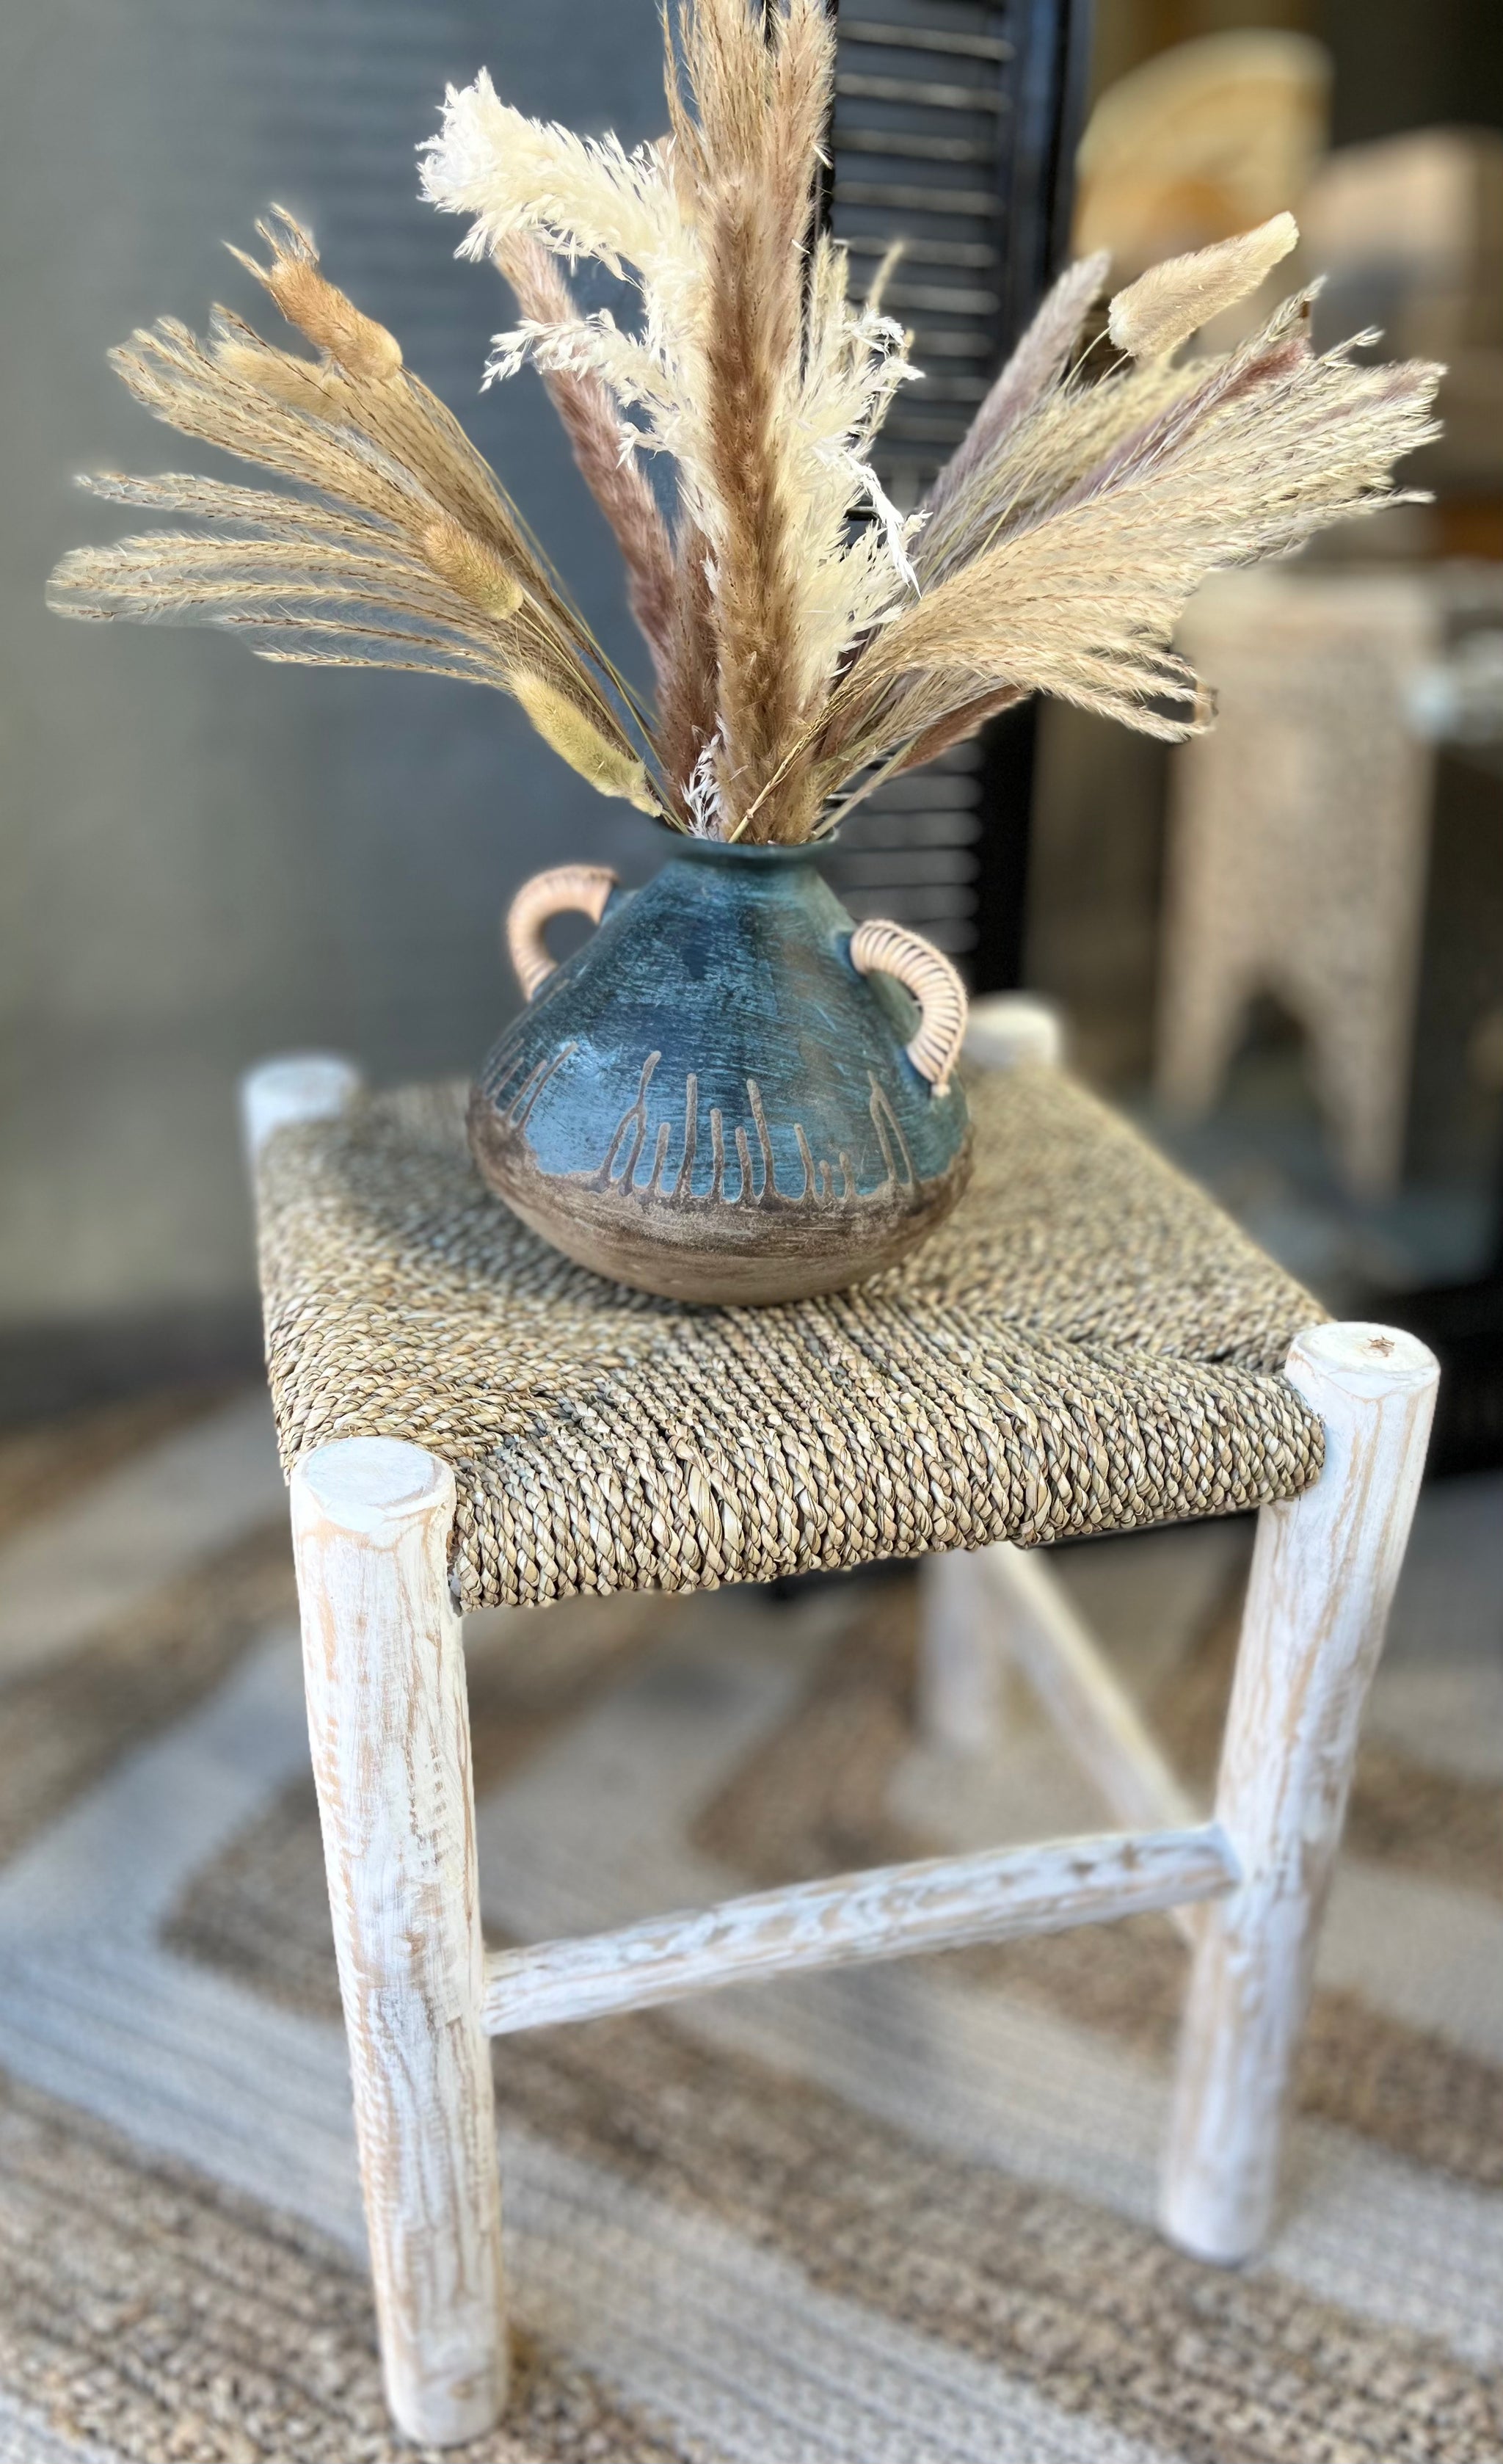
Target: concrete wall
206 858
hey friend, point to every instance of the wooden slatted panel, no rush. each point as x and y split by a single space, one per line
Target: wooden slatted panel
952 130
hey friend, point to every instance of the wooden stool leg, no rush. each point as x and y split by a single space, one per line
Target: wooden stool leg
961 1655
1323 1575
295 1086
962 1651
389 1723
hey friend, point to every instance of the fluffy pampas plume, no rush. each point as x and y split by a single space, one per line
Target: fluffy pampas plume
807 639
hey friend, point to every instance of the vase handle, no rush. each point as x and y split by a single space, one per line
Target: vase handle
569 889
924 971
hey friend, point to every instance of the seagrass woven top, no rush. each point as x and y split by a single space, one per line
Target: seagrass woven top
1088 1345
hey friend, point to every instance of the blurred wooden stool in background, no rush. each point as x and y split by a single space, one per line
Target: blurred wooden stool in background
1299 828
1298 833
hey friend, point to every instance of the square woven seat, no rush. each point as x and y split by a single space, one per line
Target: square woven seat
1087 1346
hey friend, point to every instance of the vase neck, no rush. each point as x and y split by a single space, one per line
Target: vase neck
737 857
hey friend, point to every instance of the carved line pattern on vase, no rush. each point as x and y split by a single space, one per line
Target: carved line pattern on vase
826 1185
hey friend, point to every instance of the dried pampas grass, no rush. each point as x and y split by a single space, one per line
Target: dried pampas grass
807 640
752 371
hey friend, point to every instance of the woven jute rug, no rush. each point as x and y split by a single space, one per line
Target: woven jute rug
1087 1345
900 2216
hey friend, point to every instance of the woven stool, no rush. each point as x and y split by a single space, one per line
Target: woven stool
1087 1346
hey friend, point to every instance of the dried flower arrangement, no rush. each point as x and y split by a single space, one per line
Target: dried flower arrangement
806 638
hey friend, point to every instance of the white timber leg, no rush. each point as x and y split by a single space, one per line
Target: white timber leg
962 1641
962 1657
1057 1657
389 1724
1004 1029
295 1086
1323 1575
1002 1611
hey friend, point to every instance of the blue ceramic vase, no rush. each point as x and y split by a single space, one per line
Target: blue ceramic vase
726 1094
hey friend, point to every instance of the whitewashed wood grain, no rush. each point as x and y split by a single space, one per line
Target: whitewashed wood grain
937 1904
1005 1028
293 1087
389 1726
958 1703
1092 1712
1323 1575
989 1609
193 2065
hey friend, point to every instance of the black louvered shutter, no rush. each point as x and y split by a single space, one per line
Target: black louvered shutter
954 129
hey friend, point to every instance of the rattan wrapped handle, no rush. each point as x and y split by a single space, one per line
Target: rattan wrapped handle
569 889
924 971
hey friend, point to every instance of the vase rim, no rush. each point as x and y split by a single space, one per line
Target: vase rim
737 851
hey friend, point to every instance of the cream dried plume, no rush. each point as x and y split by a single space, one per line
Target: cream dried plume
807 639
